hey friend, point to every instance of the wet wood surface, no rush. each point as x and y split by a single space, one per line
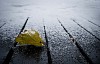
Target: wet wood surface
70 31
61 44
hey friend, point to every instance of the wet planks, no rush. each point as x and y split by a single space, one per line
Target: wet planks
8 31
30 54
62 48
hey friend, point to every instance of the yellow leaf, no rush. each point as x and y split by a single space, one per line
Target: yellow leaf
30 37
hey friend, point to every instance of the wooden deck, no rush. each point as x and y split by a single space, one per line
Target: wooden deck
67 41
69 28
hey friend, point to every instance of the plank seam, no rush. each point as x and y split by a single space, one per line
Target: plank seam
86 30
48 50
77 45
11 51
2 25
91 22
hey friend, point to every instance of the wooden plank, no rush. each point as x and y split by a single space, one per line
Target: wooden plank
91 28
48 50
7 34
76 43
62 49
88 42
91 22
30 54
11 51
